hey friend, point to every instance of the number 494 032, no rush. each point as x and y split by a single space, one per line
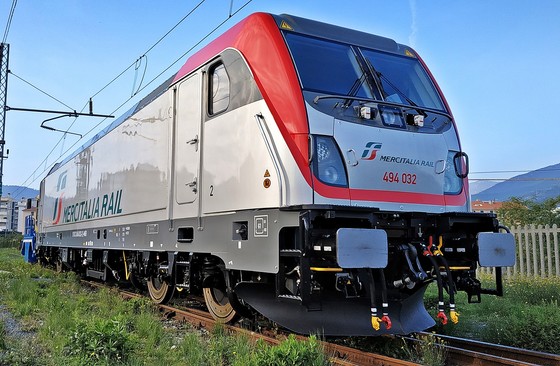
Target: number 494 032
404 178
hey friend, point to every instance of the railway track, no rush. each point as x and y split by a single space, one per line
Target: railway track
470 352
340 355
459 351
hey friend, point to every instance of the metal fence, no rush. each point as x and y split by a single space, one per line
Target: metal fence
538 252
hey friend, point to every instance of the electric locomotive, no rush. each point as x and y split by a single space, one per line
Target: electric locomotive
301 170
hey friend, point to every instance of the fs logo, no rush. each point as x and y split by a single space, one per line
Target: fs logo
60 186
371 150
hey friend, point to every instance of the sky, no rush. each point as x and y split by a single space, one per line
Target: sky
495 61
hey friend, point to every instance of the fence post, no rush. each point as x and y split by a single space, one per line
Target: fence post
534 250
555 235
540 243
519 230
548 234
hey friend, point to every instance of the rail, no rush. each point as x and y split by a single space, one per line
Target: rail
340 355
459 351
466 352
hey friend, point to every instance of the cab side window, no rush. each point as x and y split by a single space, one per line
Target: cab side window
219 88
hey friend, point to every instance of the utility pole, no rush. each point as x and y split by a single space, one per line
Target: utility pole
4 57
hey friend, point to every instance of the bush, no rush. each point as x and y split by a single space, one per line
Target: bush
292 352
100 341
10 240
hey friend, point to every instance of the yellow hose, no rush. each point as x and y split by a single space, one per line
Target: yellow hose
126 274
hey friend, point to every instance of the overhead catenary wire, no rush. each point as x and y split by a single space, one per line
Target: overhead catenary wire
141 87
32 176
515 171
149 49
40 90
9 21
36 174
515 179
166 69
195 45
511 179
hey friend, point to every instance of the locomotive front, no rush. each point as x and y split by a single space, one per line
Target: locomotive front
390 193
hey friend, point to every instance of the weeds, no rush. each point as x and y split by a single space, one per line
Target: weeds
192 349
292 352
535 327
100 342
10 240
526 316
426 350
81 327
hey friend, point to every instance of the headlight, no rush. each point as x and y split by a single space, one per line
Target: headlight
391 116
452 182
327 163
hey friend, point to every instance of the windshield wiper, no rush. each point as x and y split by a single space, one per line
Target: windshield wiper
354 89
380 76
408 100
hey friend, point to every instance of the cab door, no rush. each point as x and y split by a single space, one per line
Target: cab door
187 144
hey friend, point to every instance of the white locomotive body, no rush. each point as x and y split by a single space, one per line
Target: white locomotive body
306 171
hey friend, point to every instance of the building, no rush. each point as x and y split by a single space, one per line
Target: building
486 206
13 213
6 213
26 207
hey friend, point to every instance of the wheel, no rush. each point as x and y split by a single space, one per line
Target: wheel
160 291
219 305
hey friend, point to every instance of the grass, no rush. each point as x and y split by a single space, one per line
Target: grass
427 350
10 240
527 316
71 325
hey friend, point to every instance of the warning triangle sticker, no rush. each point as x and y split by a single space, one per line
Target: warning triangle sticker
285 25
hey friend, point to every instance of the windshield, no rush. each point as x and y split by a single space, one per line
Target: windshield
334 68
316 58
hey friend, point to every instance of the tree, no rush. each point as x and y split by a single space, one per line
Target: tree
518 211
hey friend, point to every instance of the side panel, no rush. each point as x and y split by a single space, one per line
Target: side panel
236 163
124 173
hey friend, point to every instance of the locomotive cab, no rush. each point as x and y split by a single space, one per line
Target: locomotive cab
390 193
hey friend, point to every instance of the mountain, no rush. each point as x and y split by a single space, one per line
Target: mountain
537 185
18 192
477 186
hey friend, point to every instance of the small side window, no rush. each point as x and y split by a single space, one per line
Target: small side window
219 90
